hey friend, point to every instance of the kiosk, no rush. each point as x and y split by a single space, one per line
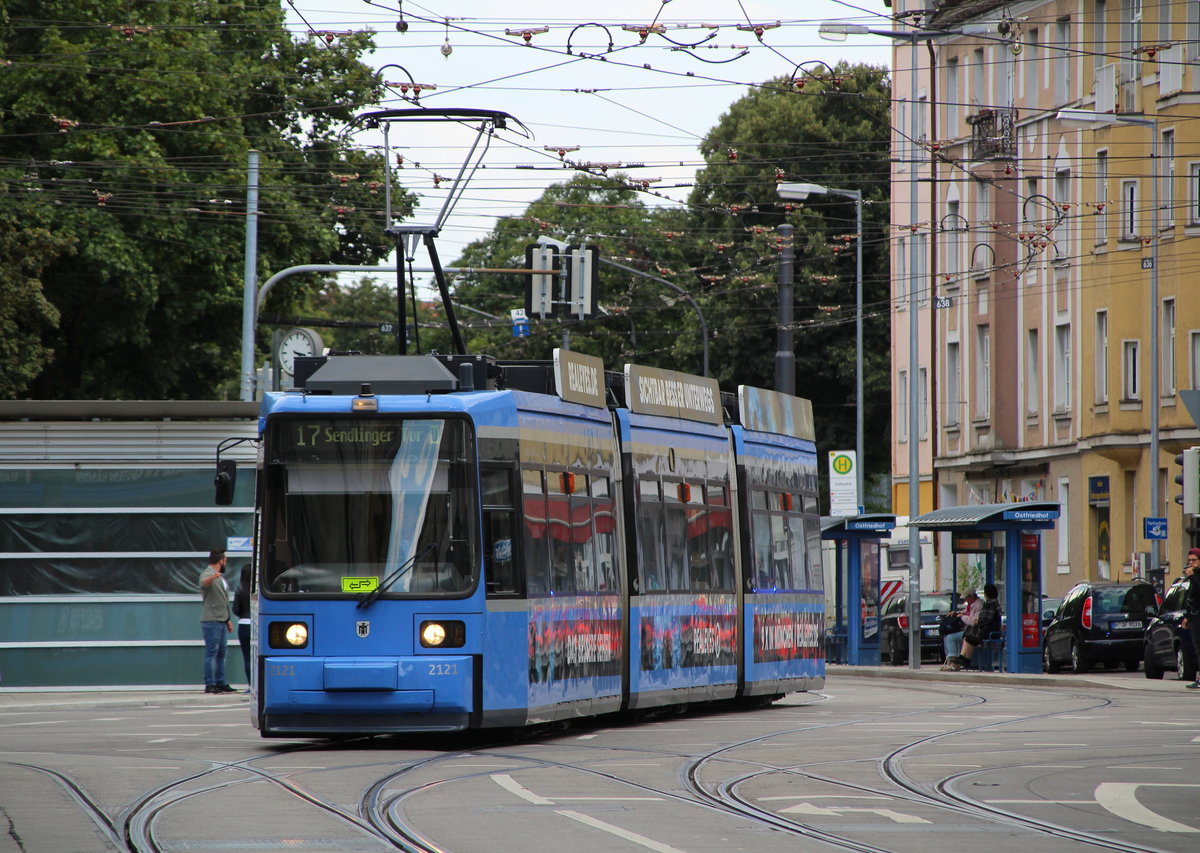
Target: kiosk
1009 536
853 636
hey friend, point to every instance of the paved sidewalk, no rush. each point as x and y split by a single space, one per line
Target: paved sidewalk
1105 678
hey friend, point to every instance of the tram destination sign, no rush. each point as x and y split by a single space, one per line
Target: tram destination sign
655 391
579 378
772 411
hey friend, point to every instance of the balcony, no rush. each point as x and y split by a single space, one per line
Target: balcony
993 134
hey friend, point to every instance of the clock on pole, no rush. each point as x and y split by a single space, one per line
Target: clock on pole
293 343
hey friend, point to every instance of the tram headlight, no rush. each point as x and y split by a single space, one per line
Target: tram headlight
443 634
287 635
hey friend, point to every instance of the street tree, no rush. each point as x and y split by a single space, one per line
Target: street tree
124 132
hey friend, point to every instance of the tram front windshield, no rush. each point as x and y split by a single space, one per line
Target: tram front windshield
354 505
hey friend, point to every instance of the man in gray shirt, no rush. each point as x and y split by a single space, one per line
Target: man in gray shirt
215 622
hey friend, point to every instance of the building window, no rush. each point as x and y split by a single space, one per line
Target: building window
901 277
920 283
1194 192
1063 55
923 400
978 78
1101 352
952 227
983 371
1166 337
1101 197
1130 388
1032 65
1194 358
1062 367
1062 195
953 383
1192 31
1166 168
902 407
1129 212
953 97
1033 373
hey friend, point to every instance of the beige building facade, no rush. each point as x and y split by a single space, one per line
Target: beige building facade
1035 245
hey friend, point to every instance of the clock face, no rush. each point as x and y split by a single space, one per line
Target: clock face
295 343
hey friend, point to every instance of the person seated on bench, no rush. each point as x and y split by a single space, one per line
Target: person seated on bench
987 622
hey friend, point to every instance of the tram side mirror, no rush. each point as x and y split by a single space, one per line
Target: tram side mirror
224 481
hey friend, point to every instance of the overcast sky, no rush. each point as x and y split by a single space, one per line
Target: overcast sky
643 105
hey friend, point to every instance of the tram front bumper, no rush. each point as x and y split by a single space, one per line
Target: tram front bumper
413 685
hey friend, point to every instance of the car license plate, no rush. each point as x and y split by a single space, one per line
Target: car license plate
931 632
1125 626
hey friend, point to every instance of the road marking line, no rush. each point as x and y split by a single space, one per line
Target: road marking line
837 811
511 785
648 843
607 799
1120 798
825 797
1042 802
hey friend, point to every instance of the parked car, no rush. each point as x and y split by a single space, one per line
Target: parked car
1100 622
893 626
1168 647
1050 606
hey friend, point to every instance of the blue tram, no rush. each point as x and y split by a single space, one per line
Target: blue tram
453 542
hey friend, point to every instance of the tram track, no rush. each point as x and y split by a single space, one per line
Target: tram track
380 811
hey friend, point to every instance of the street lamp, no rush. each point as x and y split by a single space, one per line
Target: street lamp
799 192
837 31
1092 117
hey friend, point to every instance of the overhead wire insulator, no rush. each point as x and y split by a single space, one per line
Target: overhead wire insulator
758 29
526 33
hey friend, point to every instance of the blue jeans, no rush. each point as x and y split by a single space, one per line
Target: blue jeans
215 641
952 643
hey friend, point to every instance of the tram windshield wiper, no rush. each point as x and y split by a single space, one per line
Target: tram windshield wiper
367 599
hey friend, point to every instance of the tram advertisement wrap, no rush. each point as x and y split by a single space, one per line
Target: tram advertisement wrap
565 645
787 636
674 641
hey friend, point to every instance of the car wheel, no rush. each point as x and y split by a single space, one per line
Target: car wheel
1079 661
1180 663
1048 663
1153 670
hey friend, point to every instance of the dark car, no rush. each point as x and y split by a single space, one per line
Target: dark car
893 626
1168 647
1100 622
1050 607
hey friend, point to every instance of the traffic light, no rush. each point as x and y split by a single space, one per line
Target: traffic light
1189 478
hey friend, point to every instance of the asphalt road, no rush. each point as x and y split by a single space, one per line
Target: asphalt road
882 759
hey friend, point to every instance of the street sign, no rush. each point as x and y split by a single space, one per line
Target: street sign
1154 528
843 482
520 323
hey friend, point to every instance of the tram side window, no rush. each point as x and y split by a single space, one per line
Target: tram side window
812 529
651 559
604 519
760 539
720 538
781 552
675 538
536 523
796 546
499 527
563 559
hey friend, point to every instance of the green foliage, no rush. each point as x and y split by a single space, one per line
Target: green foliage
638 319
722 250
129 141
